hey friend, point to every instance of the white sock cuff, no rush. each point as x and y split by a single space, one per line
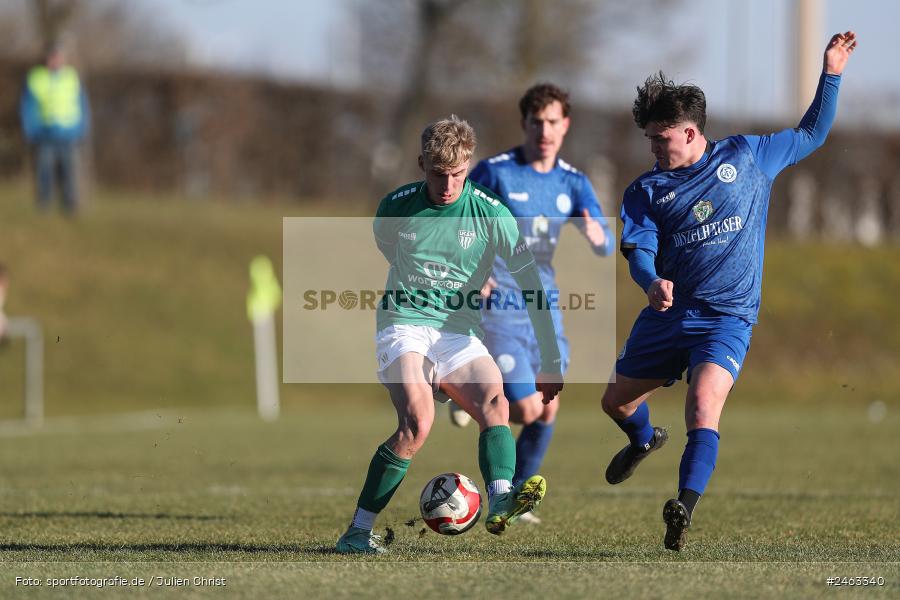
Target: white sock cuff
498 486
364 519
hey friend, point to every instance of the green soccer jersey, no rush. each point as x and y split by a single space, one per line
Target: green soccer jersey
441 256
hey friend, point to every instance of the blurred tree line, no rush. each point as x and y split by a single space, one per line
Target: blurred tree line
99 33
160 125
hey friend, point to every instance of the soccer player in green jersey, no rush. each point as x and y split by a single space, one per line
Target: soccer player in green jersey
440 237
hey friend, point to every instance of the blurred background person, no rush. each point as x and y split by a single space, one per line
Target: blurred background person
54 114
543 192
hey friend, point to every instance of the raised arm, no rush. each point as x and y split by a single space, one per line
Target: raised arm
816 123
779 150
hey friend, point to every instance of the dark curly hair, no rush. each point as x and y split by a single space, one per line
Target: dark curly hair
542 95
660 100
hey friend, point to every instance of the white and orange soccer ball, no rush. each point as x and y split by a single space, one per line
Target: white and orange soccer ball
450 504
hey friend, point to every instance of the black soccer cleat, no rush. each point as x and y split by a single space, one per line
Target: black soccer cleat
678 521
623 464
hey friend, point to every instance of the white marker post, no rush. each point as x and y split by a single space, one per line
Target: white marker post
262 301
30 330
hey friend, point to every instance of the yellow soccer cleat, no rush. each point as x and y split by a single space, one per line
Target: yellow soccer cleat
507 508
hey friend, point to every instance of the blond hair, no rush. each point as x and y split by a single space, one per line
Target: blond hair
448 143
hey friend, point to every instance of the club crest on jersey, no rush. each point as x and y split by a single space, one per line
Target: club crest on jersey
466 237
726 173
507 363
702 210
564 204
435 270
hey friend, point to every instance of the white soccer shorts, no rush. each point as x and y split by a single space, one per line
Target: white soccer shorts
447 351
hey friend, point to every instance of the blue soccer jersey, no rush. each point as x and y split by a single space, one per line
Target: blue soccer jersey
542 203
706 223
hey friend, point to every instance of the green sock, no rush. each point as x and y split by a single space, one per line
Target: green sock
386 471
497 454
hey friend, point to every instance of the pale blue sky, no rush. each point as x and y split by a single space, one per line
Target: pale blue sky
736 50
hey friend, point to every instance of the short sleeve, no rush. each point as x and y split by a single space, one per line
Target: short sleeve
383 229
511 246
639 229
379 222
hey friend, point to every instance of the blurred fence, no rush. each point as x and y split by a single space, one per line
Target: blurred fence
205 133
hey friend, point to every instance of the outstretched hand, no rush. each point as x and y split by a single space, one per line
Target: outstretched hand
839 49
593 230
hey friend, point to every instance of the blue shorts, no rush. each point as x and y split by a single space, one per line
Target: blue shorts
663 344
516 352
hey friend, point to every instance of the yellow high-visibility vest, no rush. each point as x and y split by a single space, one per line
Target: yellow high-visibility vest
58 95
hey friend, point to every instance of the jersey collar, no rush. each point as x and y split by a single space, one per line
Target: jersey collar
467 189
707 152
519 153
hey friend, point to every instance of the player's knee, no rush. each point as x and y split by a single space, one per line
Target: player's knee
611 405
414 430
699 418
494 409
703 409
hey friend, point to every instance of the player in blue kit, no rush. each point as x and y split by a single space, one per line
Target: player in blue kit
543 192
694 228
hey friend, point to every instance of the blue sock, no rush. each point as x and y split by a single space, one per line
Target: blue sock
531 447
637 427
698 460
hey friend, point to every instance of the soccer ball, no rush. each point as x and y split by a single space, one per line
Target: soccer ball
450 504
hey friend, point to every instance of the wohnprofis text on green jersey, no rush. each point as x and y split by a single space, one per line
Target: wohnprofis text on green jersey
440 257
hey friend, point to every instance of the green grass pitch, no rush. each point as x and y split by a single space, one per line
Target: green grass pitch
142 304
800 494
